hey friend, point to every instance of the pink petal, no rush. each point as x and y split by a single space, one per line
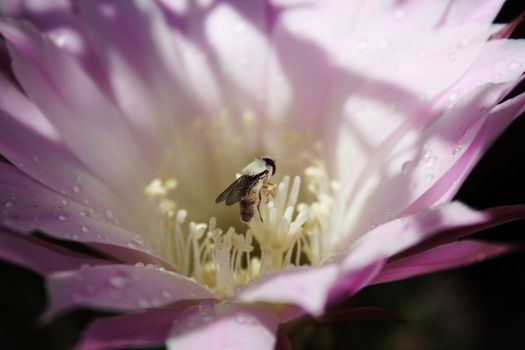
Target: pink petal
302 286
86 113
508 29
467 11
147 88
140 329
416 166
443 257
50 163
28 206
14 103
120 288
468 156
40 256
362 262
235 35
400 234
497 216
307 287
225 327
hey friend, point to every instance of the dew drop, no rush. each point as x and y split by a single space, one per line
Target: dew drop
138 239
36 159
8 204
64 202
456 150
454 95
431 162
166 294
109 214
118 281
244 61
228 343
76 189
207 318
362 44
240 28
142 302
206 307
62 218
514 66
83 213
399 14
429 178
464 43
407 167
85 229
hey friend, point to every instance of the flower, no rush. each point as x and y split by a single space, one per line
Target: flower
122 121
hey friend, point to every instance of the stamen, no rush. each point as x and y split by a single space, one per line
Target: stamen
296 224
288 233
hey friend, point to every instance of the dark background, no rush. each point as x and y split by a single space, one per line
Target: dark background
477 307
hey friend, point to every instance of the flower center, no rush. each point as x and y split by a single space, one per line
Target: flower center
208 241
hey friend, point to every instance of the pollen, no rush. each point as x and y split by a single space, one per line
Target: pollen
291 231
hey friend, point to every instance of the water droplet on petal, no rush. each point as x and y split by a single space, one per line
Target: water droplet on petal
119 281
514 65
166 294
431 162
8 204
36 159
62 218
464 43
456 150
362 44
454 95
399 14
407 167
85 229
142 302
240 28
429 178
76 189
64 202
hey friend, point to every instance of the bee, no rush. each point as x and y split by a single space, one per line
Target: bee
248 188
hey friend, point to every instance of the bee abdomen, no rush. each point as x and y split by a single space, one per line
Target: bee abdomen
246 206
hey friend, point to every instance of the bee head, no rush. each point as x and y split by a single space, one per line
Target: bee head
270 163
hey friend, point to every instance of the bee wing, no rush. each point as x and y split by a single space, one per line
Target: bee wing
237 190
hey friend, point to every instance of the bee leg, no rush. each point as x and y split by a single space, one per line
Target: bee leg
259 206
270 188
